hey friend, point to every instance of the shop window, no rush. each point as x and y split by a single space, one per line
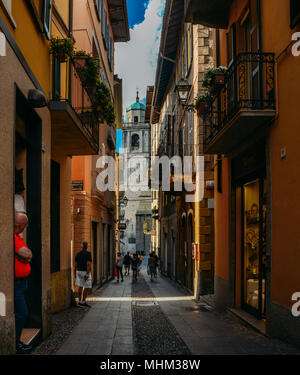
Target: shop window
47 16
295 12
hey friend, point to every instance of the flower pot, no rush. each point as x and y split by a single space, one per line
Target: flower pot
61 55
79 62
203 107
218 81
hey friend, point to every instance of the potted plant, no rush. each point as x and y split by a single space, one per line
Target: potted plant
203 103
79 59
62 48
214 79
87 66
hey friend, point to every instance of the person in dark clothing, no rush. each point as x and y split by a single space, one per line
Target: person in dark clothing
152 265
82 272
134 266
127 262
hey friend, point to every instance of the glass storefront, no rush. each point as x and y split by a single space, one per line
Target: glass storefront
254 246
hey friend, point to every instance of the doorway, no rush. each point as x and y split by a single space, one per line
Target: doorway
28 158
95 251
254 210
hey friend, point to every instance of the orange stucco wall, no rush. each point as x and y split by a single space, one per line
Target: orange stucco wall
285 172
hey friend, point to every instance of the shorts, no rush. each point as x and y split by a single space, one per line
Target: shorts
80 280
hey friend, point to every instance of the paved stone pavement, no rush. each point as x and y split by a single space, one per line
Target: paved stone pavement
108 328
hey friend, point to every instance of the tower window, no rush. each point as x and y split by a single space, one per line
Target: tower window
136 119
135 142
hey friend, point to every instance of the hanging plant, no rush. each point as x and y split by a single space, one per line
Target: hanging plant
62 48
203 103
105 107
87 67
214 79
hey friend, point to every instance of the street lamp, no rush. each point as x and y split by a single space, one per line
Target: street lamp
183 89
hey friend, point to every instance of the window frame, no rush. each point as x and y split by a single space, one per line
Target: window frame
47 22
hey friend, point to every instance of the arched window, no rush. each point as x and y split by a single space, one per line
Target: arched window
135 142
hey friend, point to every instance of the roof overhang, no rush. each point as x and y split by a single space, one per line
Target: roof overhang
210 13
119 20
171 31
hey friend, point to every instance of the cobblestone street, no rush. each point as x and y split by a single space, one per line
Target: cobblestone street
159 318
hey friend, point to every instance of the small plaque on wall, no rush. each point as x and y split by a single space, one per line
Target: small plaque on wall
77 185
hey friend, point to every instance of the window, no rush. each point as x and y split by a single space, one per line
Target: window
131 240
136 119
295 13
103 19
135 142
47 17
99 4
231 45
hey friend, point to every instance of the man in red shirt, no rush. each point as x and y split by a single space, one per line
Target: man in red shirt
22 270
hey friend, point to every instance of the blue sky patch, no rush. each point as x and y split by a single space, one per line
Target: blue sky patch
136 11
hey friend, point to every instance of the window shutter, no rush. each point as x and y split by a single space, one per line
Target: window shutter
47 16
103 18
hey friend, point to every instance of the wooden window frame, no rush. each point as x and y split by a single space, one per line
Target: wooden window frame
294 18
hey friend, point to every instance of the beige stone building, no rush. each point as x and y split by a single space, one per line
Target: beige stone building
183 230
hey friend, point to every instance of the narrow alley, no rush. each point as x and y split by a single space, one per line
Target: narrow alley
158 318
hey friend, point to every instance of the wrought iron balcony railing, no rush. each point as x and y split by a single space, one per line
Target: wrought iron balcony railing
247 97
69 88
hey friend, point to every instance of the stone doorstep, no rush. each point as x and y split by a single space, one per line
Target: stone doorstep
249 320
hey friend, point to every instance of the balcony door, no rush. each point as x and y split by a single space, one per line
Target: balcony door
254 45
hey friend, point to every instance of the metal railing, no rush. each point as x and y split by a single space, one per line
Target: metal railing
249 85
80 98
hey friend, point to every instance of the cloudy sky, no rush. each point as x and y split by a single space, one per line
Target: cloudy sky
136 60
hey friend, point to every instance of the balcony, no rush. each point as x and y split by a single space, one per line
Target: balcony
75 122
210 13
245 105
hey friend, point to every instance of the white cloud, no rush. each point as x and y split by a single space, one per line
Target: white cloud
135 61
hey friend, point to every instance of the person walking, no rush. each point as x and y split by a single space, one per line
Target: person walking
23 256
152 265
156 263
127 262
83 275
119 266
134 267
